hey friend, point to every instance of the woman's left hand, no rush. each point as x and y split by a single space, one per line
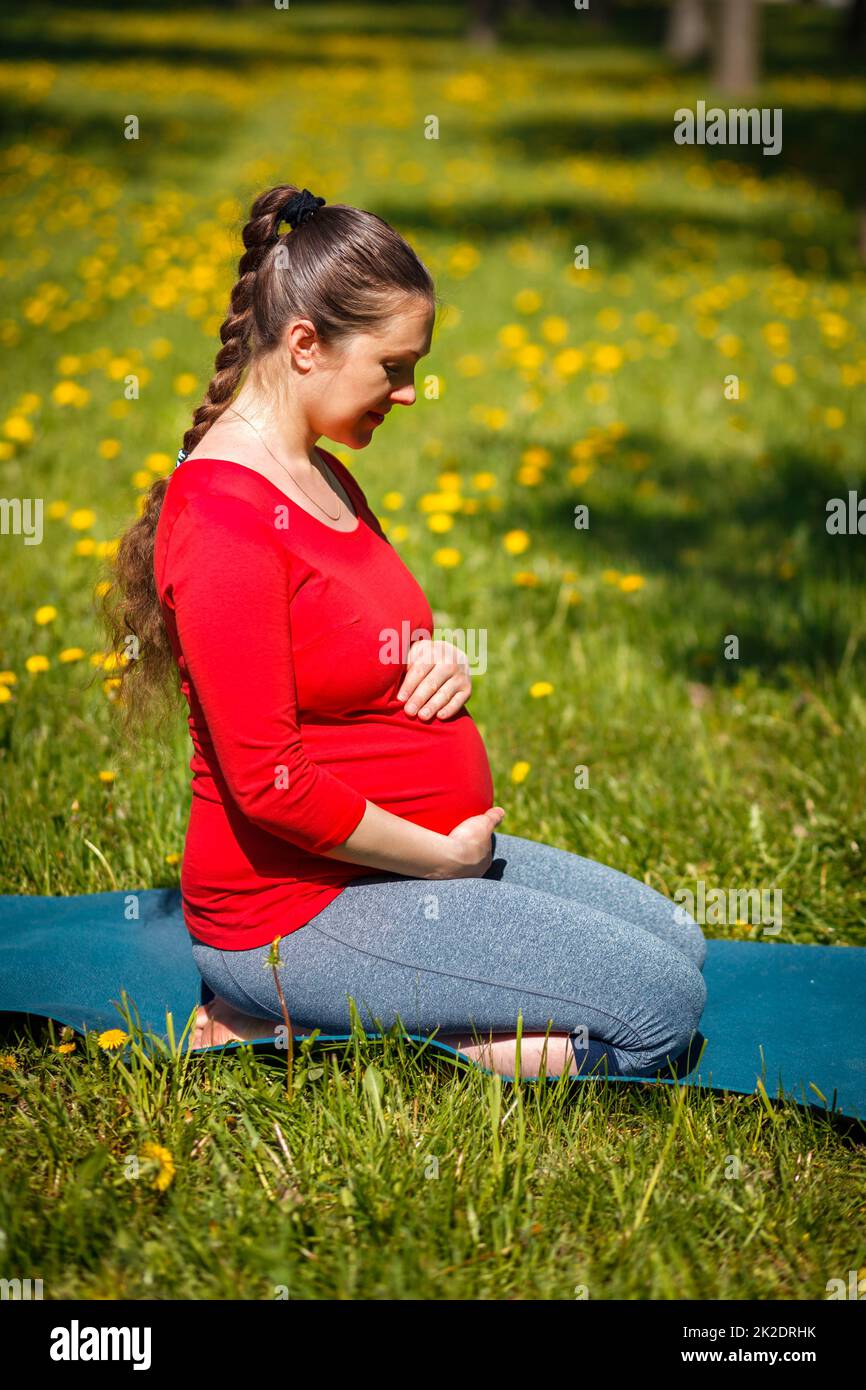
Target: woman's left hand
437 679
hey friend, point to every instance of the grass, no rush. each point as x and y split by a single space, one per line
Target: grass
557 387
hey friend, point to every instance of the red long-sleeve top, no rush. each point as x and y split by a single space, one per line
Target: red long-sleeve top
280 627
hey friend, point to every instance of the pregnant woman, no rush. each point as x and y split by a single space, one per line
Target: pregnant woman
342 798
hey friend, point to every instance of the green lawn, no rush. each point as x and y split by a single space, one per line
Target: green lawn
605 387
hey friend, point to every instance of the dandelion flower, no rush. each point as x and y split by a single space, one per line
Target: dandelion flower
447 557
46 614
19 428
164 1158
515 542
519 771
112 1037
35 664
630 583
540 688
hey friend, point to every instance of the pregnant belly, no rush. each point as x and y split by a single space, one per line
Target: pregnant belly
435 772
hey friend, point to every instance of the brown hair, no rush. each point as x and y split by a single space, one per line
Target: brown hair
347 272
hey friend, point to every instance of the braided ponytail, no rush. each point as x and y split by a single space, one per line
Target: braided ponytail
347 269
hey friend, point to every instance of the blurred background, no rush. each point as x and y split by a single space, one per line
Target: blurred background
697 383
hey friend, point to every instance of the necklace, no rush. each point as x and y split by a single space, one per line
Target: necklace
286 470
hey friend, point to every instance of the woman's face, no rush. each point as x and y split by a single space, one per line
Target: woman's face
352 388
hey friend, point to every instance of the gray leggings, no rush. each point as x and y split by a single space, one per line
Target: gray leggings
568 941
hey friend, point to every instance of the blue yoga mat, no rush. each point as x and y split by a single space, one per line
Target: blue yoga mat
788 1016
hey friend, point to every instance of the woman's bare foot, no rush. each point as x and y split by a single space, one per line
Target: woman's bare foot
500 1052
217 1023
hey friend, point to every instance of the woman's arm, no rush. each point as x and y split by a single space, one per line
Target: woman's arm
398 846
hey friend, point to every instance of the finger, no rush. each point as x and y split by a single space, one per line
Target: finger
443 696
415 673
454 704
428 687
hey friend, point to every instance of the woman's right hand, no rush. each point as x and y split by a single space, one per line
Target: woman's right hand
468 848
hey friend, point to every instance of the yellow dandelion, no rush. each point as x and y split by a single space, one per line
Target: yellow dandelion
185 384
519 771
447 557
112 1037
568 362
630 583
164 1159
530 356
512 335
82 519
158 463
540 688
495 418
527 301
470 365
484 481
729 344
515 542
580 473
173 858
107 775
529 477
85 547
537 456
554 329
57 509
5 694
526 579
109 448
71 654
8 678
440 522
29 402
834 418
19 428
608 320
102 588
46 614
65 392
34 664
8 1062
161 348
607 358
784 374
141 478
393 501
449 482
64 1048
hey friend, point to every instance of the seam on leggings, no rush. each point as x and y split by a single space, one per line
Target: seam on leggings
479 980
238 986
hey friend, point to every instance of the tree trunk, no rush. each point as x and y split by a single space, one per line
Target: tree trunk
485 18
688 32
735 68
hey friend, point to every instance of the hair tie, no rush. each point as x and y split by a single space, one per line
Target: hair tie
298 209
181 455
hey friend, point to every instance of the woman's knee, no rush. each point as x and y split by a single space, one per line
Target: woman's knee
682 1000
